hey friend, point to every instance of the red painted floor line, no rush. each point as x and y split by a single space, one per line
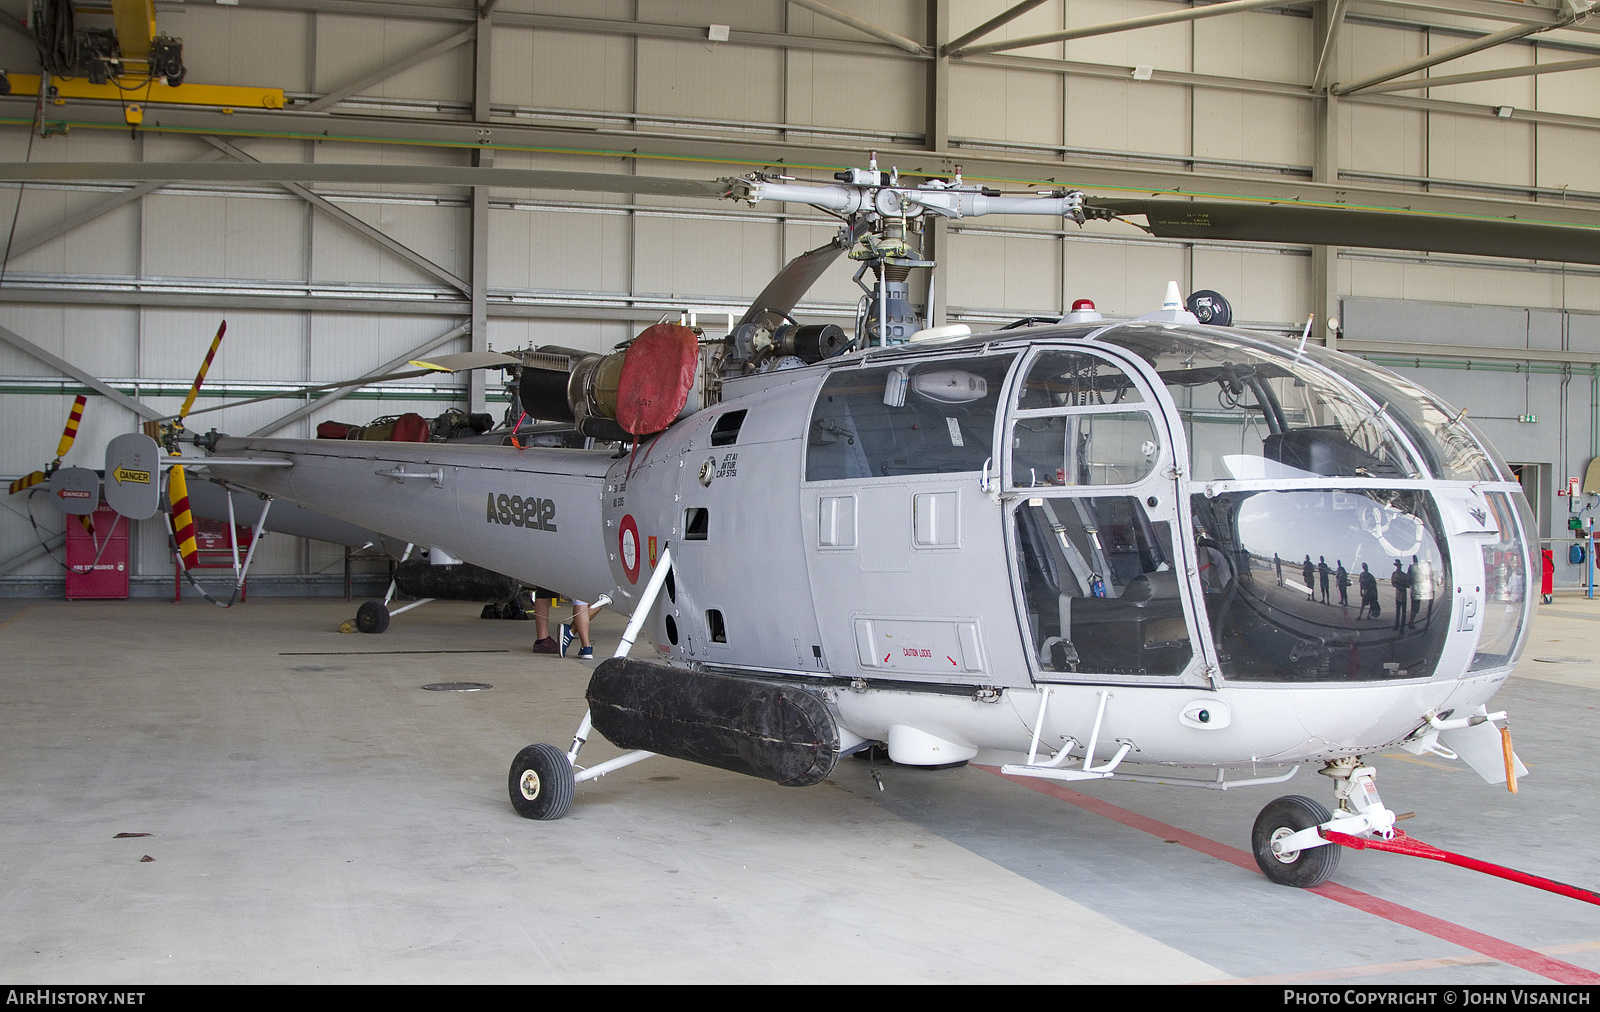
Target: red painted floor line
1477 941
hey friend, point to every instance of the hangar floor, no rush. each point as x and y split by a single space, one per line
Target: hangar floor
315 816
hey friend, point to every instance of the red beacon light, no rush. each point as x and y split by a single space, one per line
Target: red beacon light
1083 311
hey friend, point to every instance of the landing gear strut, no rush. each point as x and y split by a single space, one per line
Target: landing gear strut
1300 868
1288 839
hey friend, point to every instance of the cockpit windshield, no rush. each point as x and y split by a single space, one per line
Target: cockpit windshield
1252 411
1452 447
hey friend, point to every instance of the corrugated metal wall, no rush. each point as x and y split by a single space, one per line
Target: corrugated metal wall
134 295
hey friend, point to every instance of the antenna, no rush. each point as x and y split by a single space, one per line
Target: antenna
1304 336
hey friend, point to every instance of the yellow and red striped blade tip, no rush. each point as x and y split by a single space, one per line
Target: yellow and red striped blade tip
26 481
182 519
200 377
71 431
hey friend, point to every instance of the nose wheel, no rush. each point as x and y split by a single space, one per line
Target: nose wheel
1281 820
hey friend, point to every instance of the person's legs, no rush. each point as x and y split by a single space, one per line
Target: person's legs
580 623
543 643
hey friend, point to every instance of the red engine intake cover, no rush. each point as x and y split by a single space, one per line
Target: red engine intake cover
657 376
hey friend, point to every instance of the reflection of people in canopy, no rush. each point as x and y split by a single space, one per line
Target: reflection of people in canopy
1322 574
1369 593
1421 576
1306 571
1402 590
1341 579
1277 567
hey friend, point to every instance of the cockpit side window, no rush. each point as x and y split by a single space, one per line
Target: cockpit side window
922 417
1068 378
1080 420
1099 591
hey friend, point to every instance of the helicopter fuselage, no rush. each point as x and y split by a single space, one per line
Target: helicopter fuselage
1203 544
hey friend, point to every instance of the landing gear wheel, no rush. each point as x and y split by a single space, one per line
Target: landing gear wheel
541 783
1302 868
372 617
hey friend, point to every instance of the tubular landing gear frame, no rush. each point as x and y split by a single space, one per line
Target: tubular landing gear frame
543 779
374 616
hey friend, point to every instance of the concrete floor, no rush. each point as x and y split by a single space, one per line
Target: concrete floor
316 816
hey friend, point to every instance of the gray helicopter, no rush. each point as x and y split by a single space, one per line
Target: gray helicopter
1077 549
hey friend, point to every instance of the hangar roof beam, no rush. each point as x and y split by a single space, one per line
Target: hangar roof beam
1484 75
384 73
865 27
344 217
1111 27
990 25
1443 56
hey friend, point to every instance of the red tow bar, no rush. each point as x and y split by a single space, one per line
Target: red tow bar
1403 844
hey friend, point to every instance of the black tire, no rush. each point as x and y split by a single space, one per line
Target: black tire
541 783
372 617
1302 869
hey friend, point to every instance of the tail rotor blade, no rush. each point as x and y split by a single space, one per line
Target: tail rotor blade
182 518
200 377
71 431
27 481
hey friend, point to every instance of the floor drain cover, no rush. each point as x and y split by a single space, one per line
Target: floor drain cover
458 686
1562 660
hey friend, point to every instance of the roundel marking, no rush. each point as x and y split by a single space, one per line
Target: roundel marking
628 542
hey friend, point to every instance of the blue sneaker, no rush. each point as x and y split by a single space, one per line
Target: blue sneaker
586 654
566 638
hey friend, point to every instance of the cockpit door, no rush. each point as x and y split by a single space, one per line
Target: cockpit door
908 562
1094 530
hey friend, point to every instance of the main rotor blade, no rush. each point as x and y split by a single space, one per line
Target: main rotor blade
466 360
461 362
343 172
787 287
1396 229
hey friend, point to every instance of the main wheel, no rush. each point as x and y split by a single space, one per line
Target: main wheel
1301 868
372 617
541 783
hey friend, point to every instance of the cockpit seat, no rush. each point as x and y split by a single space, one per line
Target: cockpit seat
1133 633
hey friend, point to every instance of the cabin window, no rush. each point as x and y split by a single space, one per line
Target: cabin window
1324 585
1099 588
917 417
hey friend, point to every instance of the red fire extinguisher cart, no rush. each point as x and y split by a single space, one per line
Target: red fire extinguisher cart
97 563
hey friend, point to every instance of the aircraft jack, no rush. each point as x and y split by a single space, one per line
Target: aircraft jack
1052 770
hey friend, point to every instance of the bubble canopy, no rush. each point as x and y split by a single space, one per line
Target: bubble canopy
1253 408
